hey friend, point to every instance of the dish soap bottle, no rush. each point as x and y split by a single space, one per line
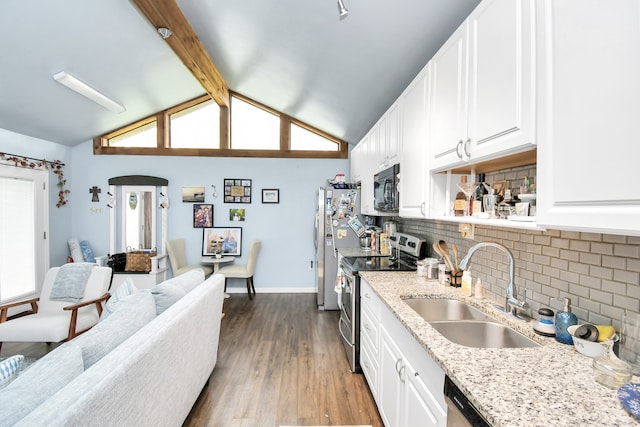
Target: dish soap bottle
564 319
466 283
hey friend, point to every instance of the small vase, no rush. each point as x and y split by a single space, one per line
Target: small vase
218 256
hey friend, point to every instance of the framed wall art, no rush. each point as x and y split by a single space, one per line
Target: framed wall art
202 215
237 190
236 214
270 195
193 194
227 239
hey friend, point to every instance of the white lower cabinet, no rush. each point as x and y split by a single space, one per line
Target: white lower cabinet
405 381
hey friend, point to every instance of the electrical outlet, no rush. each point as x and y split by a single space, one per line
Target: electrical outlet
467 231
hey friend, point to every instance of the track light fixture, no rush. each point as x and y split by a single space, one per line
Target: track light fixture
164 32
342 10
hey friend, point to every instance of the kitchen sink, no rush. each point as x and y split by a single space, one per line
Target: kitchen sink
482 334
434 309
466 325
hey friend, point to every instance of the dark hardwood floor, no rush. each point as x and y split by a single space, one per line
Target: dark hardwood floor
281 362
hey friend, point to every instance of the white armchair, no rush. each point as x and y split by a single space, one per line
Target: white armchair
55 321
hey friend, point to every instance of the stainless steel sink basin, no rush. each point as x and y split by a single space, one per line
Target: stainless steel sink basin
466 325
434 309
482 334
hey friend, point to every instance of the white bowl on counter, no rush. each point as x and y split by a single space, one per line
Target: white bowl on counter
588 348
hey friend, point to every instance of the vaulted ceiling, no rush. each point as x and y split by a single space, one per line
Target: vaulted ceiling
295 56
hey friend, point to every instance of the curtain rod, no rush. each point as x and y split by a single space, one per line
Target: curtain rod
57 162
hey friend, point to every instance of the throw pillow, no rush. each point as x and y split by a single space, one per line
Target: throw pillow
170 291
75 251
166 294
116 300
35 385
135 311
9 367
87 253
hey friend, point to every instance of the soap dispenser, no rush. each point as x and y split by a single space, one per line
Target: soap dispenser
564 319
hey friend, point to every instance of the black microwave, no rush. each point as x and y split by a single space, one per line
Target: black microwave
385 189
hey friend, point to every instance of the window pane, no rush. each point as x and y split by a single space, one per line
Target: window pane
196 127
144 136
303 139
17 238
253 128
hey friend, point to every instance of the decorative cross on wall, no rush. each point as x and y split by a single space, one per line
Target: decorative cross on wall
95 191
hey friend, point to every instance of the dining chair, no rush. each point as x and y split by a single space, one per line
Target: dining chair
244 271
178 259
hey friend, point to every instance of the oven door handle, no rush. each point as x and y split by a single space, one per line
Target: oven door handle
340 329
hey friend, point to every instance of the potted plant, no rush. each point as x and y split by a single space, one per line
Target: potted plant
218 253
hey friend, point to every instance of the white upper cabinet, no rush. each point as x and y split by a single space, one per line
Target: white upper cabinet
392 150
589 61
414 174
481 97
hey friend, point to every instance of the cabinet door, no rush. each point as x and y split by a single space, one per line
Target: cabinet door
588 151
366 177
355 163
500 113
448 102
419 406
391 382
414 174
394 135
378 142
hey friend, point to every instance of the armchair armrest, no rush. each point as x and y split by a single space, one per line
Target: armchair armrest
74 313
4 309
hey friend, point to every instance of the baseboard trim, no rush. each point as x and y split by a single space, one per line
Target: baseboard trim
271 290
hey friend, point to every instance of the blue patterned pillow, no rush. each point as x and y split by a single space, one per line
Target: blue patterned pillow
9 367
125 289
87 253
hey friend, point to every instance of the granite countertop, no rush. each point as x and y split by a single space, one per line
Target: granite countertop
538 386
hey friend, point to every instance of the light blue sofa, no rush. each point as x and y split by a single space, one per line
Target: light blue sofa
105 377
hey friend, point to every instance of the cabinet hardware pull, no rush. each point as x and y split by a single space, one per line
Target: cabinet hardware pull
422 210
459 148
398 361
466 147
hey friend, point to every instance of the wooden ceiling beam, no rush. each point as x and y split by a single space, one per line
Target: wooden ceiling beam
185 44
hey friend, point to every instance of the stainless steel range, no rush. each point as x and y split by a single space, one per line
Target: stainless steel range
406 251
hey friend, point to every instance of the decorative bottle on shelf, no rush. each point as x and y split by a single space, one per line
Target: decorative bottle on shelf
460 207
478 195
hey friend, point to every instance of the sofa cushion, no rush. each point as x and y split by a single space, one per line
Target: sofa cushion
38 383
134 311
118 298
9 368
170 291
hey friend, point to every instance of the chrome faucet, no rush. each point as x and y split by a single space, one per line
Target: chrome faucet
512 303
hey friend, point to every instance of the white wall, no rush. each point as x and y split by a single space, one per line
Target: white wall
286 229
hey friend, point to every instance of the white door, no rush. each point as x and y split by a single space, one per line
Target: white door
24 248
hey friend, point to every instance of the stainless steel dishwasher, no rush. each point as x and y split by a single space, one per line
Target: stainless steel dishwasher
460 412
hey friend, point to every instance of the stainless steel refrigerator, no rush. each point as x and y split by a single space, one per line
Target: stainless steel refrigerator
335 206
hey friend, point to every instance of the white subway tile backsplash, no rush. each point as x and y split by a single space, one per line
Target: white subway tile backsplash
599 272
